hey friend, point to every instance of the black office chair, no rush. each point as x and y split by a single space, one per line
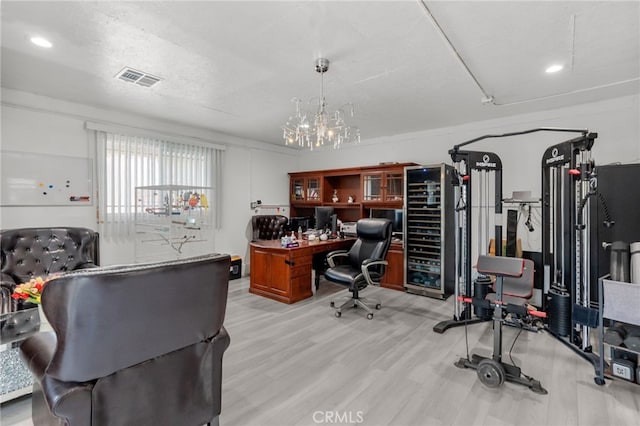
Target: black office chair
363 264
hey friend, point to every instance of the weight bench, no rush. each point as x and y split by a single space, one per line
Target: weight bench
517 273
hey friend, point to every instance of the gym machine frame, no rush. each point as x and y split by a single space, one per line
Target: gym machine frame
568 181
464 163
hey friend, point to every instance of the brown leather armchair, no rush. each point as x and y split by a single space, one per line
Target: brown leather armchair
133 345
268 227
37 252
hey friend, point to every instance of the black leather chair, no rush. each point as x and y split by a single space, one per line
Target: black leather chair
37 252
363 264
132 345
268 227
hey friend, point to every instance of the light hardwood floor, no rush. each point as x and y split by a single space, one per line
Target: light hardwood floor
300 365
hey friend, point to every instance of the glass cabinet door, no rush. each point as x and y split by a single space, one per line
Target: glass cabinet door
372 187
394 187
297 189
313 189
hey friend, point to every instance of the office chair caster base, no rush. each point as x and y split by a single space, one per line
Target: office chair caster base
351 302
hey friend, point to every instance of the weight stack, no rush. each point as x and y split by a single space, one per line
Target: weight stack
481 287
559 312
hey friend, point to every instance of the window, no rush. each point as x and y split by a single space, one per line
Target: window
126 162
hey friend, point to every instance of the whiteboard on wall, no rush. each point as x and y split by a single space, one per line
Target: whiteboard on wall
45 180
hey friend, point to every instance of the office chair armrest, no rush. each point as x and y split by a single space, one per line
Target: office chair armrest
368 263
335 253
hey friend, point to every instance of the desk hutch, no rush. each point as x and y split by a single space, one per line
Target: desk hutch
380 186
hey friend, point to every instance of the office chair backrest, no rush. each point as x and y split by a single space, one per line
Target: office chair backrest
374 239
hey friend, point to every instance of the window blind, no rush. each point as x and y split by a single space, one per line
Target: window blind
125 162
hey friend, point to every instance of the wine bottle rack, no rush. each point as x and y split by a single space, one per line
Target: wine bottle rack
428 230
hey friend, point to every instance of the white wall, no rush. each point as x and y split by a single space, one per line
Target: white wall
36 124
251 174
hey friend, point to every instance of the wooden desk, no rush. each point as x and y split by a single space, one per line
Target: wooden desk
394 275
284 274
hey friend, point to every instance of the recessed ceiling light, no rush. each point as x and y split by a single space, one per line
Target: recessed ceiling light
40 41
554 68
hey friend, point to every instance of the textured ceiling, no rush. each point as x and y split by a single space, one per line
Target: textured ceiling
233 66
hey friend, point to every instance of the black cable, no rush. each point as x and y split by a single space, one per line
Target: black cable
608 222
466 340
583 202
527 223
461 205
513 344
511 349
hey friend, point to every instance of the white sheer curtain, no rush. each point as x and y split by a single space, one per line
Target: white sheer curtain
125 162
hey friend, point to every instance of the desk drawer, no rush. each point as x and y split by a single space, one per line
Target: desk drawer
298 271
302 259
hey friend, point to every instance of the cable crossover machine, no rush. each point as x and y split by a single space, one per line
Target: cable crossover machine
569 180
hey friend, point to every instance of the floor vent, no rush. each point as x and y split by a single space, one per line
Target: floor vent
138 77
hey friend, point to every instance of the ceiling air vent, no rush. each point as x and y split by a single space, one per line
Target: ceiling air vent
138 77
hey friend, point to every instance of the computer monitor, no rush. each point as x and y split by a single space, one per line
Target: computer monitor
300 222
394 215
324 217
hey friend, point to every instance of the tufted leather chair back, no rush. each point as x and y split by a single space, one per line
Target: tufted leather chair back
33 252
268 227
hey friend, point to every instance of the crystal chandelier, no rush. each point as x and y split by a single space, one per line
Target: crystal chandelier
322 127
